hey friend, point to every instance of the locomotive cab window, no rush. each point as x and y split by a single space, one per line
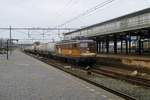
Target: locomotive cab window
83 45
75 45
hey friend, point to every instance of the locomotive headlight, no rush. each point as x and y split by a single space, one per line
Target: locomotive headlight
70 51
88 50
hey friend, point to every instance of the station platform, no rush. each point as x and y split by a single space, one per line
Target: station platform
138 57
130 62
25 78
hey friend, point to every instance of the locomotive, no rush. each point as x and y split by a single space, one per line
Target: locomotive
81 52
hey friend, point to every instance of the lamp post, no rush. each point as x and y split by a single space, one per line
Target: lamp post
8 45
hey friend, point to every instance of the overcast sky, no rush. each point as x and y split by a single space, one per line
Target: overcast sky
50 13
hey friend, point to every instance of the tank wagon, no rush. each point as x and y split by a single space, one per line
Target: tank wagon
45 49
81 52
30 49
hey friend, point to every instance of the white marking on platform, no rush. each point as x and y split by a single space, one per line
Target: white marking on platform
104 96
87 87
92 90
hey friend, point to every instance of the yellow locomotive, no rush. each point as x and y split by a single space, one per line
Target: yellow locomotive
82 52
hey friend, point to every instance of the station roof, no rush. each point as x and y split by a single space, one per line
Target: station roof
74 41
118 18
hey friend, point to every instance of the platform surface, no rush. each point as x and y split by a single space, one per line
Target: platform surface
123 56
25 78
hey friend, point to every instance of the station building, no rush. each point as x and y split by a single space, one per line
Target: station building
128 34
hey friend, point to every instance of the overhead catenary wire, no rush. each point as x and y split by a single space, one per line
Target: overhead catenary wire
68 5
87 12
36 38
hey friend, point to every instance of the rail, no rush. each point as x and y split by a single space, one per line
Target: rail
82 74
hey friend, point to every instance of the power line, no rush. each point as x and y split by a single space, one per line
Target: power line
30 35
88 12
38 28
84 13
68 5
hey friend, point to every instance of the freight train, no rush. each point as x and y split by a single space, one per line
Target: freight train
81 52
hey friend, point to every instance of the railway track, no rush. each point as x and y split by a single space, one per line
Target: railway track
82 74
128 78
